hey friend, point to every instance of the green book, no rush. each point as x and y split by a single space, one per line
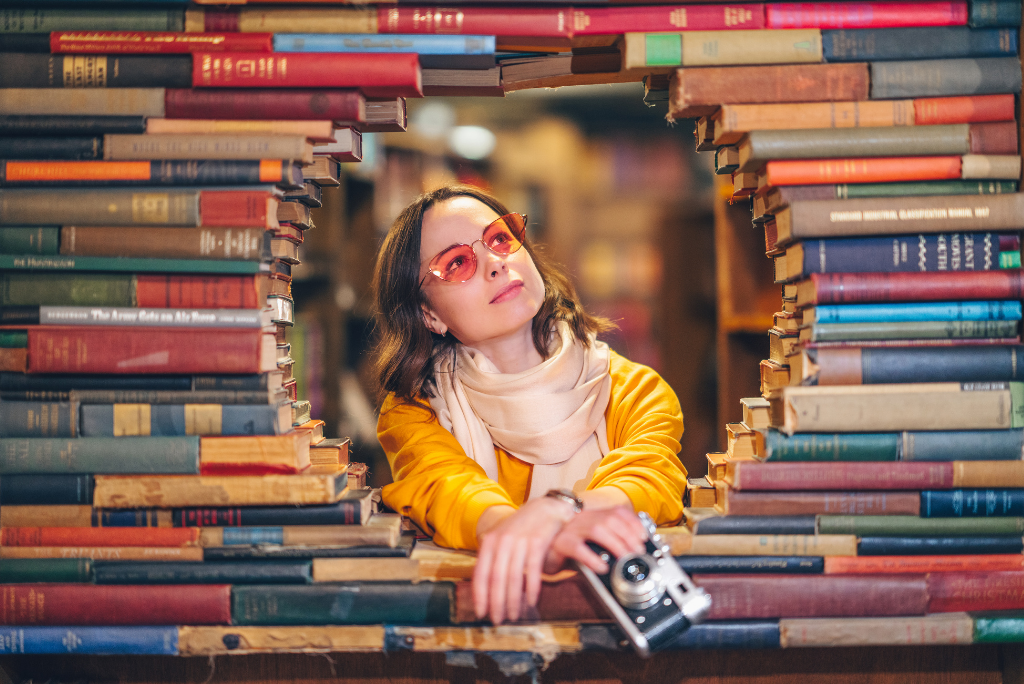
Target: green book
924 188
37 20
854 446
999 630
62 289
100 455
31 262
911 330
30 240
346 603
13 339
913 526
99 207
31 570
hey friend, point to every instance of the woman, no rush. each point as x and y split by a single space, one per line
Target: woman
508 427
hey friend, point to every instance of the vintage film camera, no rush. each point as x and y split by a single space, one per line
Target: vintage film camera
648 594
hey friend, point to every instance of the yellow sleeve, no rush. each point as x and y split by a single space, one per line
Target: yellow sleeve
645 423
435 483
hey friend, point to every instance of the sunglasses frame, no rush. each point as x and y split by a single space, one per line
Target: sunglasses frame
522 241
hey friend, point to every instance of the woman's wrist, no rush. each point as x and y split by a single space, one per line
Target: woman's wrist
491 517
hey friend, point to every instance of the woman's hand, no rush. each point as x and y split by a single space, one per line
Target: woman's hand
513 546
617 529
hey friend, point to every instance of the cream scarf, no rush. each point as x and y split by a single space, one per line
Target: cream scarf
551 415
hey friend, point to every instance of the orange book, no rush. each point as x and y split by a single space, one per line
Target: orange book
870 565
123 553
931 111
99 536
865 170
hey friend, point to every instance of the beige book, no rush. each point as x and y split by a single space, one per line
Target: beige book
740 439
317 485
317 131
894 408
123 147
941 628
380 530
323 171
756 412
366 570
294 20
722 48
990 166
732 121
716 465
106 553
82 101
701 492
771 545
210 641
65 516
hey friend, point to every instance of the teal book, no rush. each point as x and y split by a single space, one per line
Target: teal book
997 310
31 570
100 455
31 262
853 446
999 628
38 418
346 603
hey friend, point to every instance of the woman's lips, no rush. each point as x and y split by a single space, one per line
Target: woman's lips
508 292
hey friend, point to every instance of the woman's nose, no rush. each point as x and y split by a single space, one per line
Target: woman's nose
493 264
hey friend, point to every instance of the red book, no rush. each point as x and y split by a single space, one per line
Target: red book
238 209
547 22
852 288
864 170
590 21
98 536
951 592
199 292
930 111
754 476
855 15
733 502
157 42
86 349
893 565
344 107
996 137
736 597
88 604
376 75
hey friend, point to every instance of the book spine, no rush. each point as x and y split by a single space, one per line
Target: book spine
957 629
38 455
38 419
773 545
884 365
993 13
998 630
617 20
261 572
849 288
56 125
357 42
72 604
98 536
28 70
90 640
46 148
342 513
379 75
766 84
865 446
30 240
344 107
230 244
26 570
918 189
939 546
813 503
284 20
892 565
714 635
162 397
972 503
752 564
975 591
66 349
967 445
238 208
100 207
161 554
190 318
918 311
36 20
945 77
905 253
911 526
118 420
155 42
771 596
82 516
861 170
994 138
755 476
931 111
141 265
757 524
426 603
187 292
722 48
917 43
46 489
840 15
160 172
555 22
82 102
889 142
169 146
81 289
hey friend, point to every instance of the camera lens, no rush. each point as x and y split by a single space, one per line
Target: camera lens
636 570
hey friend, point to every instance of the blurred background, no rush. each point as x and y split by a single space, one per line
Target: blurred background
614 192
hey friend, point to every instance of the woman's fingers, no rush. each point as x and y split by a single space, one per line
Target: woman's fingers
482 576
498 586
516 572
585 555
534 568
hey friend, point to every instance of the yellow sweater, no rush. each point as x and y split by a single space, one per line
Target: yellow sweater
445 492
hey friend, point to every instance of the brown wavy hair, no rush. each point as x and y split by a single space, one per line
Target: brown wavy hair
405 351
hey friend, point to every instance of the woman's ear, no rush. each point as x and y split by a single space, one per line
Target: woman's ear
431 320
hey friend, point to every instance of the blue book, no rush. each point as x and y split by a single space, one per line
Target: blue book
993 13
972 503
46 490
939 42
709 635
106 455
210 572
963 445
134 640
424 44
173 420
949 252
756 524
938 546
1000 310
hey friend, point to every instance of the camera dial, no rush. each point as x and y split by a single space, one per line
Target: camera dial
637 581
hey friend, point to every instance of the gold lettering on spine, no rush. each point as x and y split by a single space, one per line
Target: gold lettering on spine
151 207
203 419
85 71
132 420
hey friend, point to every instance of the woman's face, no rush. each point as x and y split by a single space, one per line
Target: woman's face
504 294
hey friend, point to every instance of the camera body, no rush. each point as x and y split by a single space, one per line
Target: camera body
648 594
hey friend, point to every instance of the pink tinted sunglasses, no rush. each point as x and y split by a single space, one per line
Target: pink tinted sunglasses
457 263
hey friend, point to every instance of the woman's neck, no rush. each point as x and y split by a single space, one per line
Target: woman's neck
512 353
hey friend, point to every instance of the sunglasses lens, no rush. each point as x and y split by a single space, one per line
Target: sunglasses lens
457 264
505 235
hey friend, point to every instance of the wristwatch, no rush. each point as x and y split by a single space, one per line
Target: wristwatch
568 496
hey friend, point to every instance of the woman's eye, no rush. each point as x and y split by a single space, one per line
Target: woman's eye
455 264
